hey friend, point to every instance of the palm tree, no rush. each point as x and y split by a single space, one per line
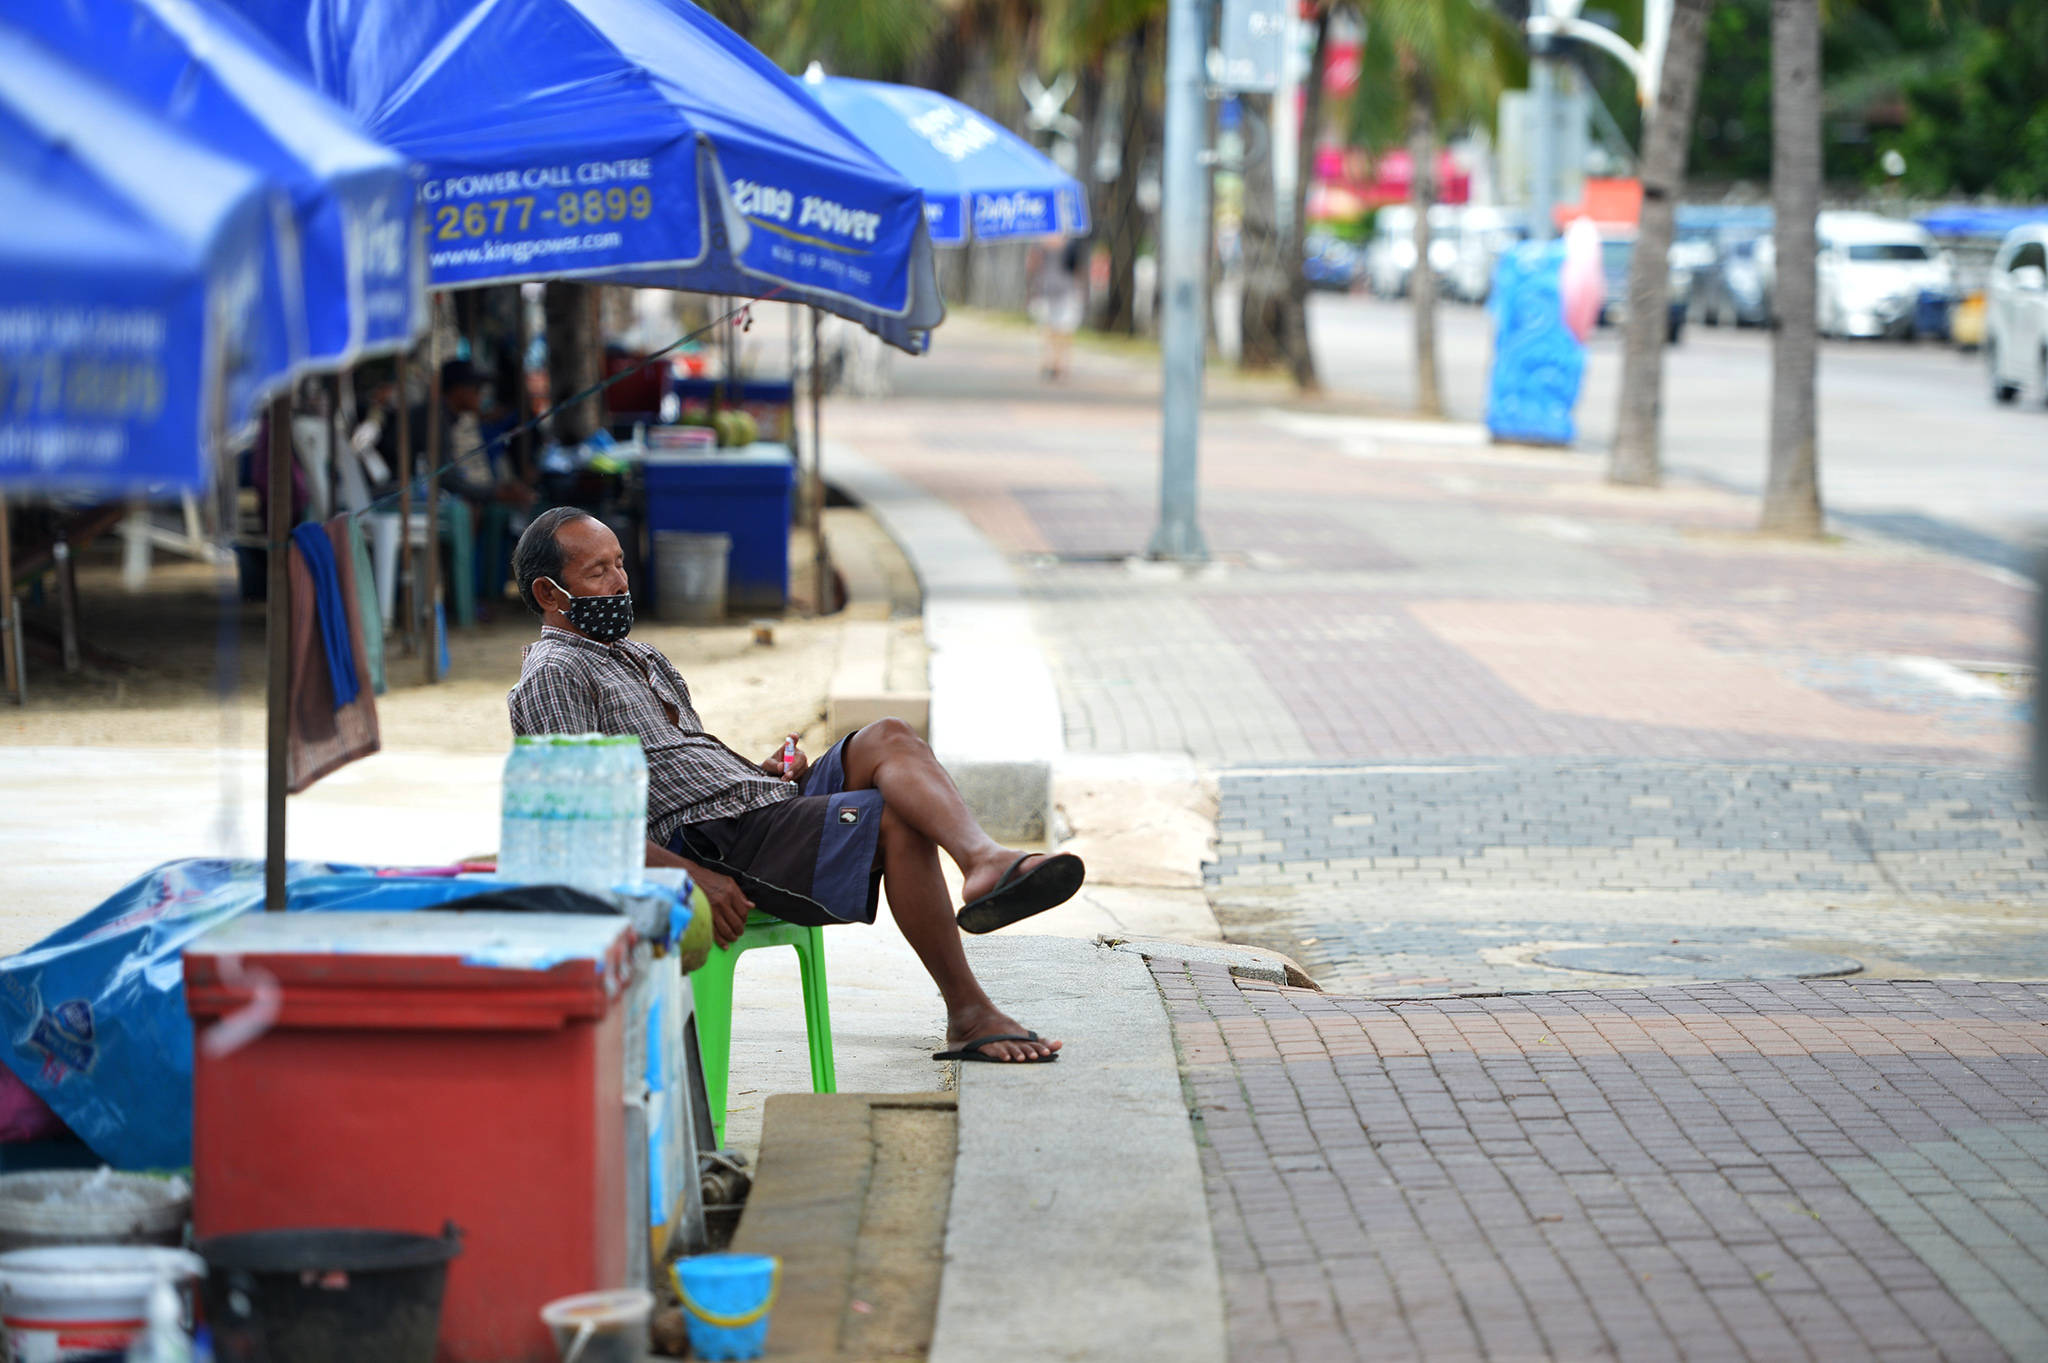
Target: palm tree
1273 318
1666 141
1792 488
1118 47
1426 66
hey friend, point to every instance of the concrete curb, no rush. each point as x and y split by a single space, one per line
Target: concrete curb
1079 1228
995 714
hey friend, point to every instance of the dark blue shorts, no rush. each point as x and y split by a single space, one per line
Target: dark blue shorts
811 860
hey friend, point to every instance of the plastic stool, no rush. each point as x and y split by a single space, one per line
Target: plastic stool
711 987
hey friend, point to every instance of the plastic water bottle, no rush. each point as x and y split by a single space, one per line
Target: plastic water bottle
585 846
518 830
629 807
163 1339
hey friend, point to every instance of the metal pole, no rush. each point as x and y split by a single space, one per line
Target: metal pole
1181 345
433 648
277 630
10 617
409 600
1543 135
67 602
820 561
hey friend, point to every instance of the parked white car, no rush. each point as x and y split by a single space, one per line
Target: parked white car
1390 255
1872 271
1482 234
2016 314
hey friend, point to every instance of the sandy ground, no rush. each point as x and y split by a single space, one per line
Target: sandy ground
176 665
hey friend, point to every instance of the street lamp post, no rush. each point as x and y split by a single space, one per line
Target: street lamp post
1550 20
1181 343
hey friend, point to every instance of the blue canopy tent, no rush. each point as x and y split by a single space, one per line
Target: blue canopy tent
143 311
207 73
620 141
980 181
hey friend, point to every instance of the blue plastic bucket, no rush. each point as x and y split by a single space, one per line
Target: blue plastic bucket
726 1299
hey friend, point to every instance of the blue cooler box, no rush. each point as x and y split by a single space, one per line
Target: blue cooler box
746 494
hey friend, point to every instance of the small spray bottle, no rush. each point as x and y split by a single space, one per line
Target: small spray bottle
788 756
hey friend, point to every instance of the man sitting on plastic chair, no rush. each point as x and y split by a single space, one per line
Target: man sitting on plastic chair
810 844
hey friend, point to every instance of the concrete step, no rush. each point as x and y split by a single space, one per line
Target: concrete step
851 1192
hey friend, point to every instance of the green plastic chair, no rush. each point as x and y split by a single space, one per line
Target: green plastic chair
711 989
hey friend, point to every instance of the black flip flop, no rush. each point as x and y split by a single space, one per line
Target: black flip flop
972 1051
1016 897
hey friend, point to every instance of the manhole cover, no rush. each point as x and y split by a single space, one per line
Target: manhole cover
1701 960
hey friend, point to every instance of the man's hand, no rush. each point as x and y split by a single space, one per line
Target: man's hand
773 766
729 904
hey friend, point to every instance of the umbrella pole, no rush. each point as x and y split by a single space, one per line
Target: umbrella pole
10 615
433 649
820 560
277 628
407 604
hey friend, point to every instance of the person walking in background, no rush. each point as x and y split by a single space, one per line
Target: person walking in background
1057 298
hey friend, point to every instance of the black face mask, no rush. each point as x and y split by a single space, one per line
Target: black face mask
606 619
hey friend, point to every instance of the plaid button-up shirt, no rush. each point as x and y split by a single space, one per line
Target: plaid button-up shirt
572 685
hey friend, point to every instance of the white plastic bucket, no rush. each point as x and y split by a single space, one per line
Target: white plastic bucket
83 1301
601 1327
689 576
91 1207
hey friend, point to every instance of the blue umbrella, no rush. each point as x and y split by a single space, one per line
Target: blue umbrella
979 180
626 141
206 72
142 312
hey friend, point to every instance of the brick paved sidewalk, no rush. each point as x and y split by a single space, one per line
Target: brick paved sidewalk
1824 1171
1399 590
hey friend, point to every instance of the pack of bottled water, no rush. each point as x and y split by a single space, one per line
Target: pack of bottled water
575 811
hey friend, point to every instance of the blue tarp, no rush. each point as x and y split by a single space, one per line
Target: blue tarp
628 141
1981 222
94 1014
212 76
1537 362
980 180
143 312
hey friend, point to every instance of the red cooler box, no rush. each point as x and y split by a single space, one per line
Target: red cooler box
423 1068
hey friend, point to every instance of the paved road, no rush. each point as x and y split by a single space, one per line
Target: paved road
1906 430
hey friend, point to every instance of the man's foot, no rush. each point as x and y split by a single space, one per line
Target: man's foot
972 1026
1028 883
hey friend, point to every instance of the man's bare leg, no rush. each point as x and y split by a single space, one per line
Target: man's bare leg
889 756
924 911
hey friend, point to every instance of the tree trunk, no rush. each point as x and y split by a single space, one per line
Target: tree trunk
1265 295
1792 490
1301 360
1124 220
1087 148
1429 399
572 359
1638 423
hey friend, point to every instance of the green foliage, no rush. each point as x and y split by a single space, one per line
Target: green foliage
1731 131
1958 87
1463 49
1978 120
876 39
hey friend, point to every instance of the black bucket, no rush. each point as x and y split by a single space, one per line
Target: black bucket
326 1296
